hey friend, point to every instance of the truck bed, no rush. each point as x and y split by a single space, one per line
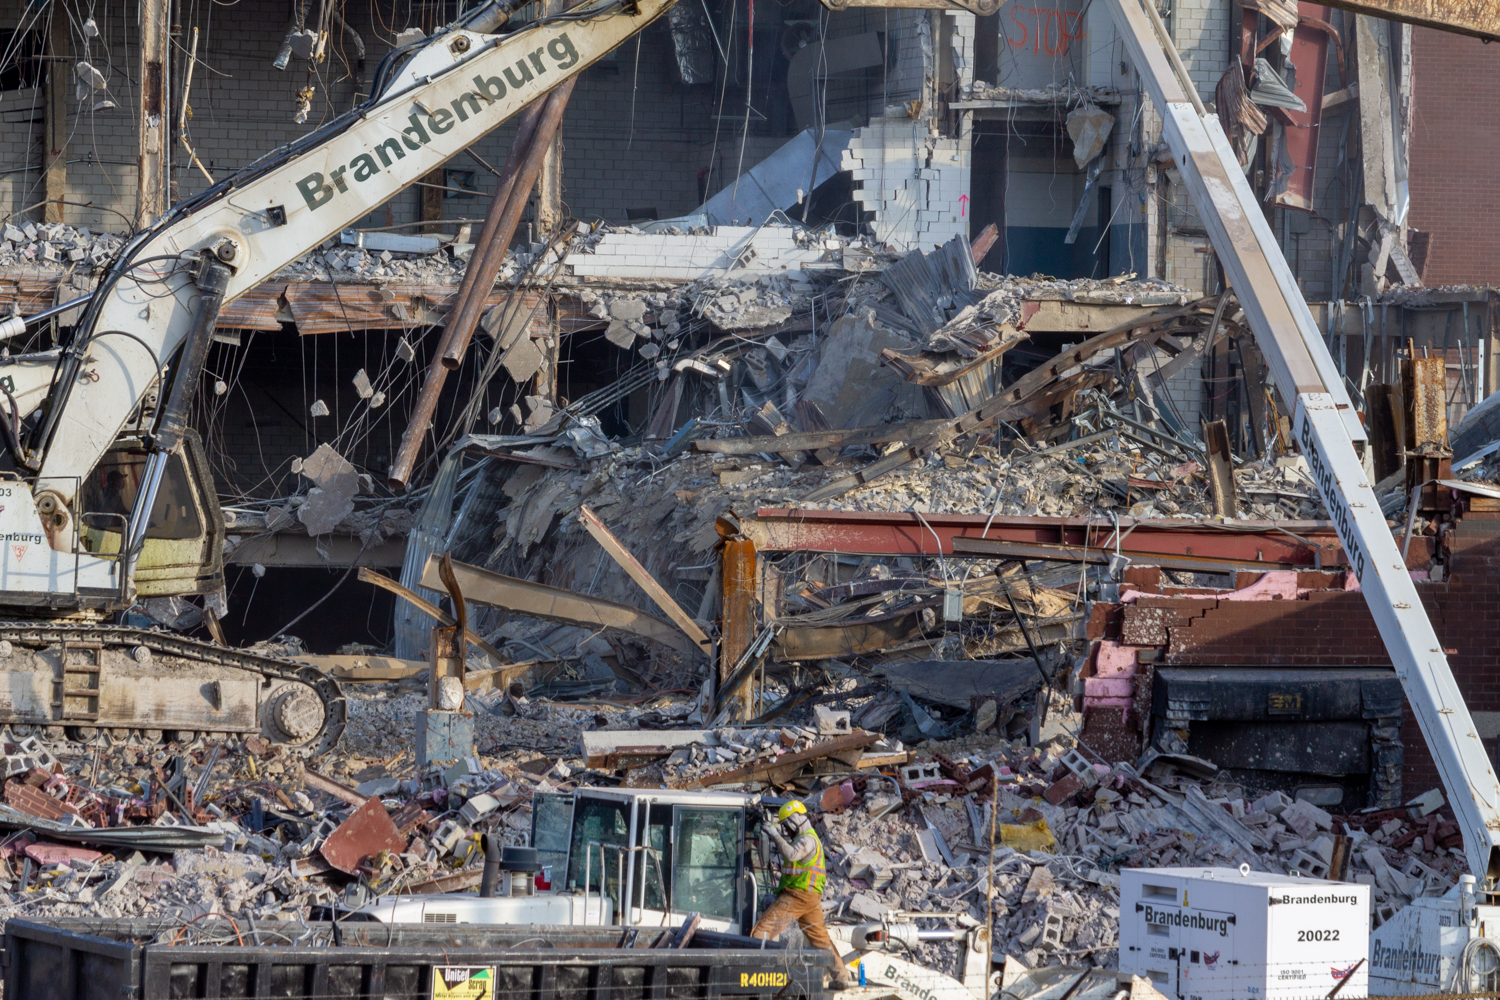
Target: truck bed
82 959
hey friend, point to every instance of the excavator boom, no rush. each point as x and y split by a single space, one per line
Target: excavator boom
1325 428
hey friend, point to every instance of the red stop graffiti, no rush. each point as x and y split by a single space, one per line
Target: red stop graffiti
1049 29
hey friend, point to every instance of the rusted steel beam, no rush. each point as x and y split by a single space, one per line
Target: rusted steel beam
897 534
152 116
738 628
1479 18
538 125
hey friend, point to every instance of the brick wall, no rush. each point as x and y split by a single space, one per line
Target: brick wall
1455 145
1336 629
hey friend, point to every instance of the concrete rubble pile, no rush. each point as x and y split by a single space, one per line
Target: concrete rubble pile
906 830
56 245
1066 825
240 828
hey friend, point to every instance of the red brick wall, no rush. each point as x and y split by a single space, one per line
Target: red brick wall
1455 155
1335 629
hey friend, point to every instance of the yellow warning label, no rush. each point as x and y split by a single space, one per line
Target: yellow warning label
463 982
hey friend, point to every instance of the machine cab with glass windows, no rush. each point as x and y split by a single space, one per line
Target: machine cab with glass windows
626 858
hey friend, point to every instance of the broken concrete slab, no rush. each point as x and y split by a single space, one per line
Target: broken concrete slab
324 509
851 385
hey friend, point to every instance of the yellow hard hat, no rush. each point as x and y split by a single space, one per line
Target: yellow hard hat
793 808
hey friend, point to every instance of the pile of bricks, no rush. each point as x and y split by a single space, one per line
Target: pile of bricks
55 244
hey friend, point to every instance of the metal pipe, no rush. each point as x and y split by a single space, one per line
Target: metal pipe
469 299
491 866
14 326
627 865
588 858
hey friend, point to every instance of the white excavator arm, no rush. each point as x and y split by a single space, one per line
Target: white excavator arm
1325 429
166 287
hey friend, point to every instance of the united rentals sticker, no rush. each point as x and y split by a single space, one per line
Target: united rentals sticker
463 982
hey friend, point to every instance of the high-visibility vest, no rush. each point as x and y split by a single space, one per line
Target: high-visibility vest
809 873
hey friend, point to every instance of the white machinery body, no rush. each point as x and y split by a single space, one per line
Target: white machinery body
570 909
1421 949
1234 934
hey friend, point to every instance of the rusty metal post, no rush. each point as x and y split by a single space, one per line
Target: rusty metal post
59 68
537 127
737 630
446 731
462 327
151 166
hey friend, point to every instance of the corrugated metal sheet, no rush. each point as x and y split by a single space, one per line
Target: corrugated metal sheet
931 287
413 627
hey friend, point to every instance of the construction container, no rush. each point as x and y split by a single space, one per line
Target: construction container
139 960
1234 934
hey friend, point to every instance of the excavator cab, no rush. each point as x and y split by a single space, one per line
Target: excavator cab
184 548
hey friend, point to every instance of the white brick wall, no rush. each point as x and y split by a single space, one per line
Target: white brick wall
914 181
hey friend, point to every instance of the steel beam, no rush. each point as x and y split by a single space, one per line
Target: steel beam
1479 18
1280 544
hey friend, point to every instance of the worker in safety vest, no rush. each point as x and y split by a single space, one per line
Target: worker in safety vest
800 895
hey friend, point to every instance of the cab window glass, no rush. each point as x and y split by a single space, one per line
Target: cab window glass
110 490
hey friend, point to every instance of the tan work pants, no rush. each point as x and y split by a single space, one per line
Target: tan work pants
806 908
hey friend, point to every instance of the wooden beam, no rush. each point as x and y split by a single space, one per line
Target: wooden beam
737 629
59 69
342 792
1339 98
643 578
556 605
1221 470
367 575
762 770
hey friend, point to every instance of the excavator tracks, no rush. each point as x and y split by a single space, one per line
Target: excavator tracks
65 681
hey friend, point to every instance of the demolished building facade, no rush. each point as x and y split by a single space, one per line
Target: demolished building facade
868 362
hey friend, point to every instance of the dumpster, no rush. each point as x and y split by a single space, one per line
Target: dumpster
83 959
